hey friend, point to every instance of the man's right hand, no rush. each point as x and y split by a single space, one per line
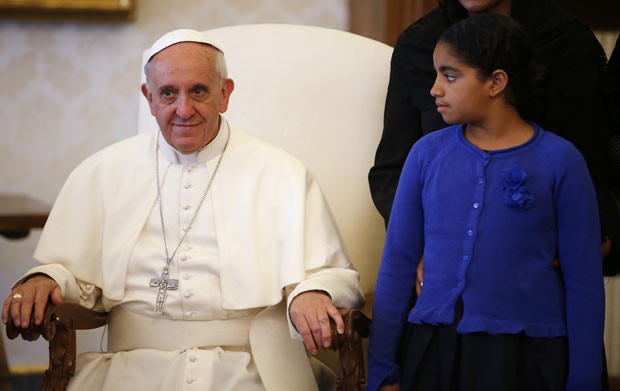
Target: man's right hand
34 293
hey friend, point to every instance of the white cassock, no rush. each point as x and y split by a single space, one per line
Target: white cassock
264 228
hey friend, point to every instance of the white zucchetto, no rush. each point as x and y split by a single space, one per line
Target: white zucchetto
177 36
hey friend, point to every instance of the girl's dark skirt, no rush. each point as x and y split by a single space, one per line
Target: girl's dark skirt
437 358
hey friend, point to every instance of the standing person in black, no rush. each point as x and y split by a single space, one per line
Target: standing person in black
613 69
573 104
614 73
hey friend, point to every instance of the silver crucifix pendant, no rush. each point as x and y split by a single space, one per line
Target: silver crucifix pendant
163 284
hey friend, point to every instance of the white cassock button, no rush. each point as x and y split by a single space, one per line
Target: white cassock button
189 381
192 359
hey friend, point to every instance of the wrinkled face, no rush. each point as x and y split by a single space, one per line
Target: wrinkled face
186 95
460 94
496 6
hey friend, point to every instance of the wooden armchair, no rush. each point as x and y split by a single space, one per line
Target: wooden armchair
61 322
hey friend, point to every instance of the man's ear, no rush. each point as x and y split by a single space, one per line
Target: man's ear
228 85
499 82
147 94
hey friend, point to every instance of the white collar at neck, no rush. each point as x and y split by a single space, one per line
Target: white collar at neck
208 152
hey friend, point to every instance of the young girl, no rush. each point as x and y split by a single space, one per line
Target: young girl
490 204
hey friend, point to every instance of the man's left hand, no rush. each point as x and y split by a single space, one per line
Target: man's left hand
310 312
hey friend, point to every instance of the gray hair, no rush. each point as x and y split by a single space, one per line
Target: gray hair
220 67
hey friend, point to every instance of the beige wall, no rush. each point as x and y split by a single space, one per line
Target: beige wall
69 89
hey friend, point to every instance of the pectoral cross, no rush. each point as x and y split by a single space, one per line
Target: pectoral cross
163 283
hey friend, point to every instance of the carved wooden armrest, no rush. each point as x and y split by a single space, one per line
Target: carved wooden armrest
349 346
58 327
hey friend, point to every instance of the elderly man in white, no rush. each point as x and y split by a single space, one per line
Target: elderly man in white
200 239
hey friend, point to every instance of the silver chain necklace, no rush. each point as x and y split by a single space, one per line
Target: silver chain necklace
165 283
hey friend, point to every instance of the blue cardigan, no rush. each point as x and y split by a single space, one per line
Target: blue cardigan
490 225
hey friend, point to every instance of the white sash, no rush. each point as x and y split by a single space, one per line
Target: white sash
282 362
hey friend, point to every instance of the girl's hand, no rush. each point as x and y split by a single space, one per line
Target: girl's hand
419 278
606 247
391 387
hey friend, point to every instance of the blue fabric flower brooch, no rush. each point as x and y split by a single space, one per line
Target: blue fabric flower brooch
516 193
